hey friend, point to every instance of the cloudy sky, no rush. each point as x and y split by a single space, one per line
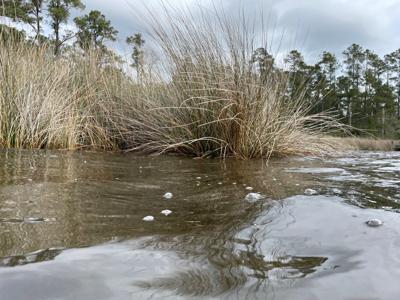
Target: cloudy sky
308 25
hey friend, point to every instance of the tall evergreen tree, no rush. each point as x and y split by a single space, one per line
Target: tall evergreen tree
353 63
393 61
299 75
263 61
137 42
325 86
344 92
59 12
36 10
26 11
93 30
18 10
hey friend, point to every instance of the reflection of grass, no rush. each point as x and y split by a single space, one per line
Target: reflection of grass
289 267
34 257
207 100
228 271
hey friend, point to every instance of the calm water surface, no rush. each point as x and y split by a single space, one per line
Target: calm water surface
71 227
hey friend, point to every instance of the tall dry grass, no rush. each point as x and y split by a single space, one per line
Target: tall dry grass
215 103
370 144
207 98
56 103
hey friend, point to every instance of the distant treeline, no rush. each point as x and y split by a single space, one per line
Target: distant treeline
92 32
362 88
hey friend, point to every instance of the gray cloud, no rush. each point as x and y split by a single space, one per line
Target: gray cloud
311 26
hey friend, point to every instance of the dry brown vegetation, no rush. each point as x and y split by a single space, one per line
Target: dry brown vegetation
206 99
57 103
371 144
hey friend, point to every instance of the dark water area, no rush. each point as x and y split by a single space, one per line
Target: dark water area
71 227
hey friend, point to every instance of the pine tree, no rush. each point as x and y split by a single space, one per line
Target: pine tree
137 54
325 85
26 11
263 61
393 62
353 63
59 12
93 30
299 75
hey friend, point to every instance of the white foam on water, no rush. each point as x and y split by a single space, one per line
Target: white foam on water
316 170
253 197
168 195
310 192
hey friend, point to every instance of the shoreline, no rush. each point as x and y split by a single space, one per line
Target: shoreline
370 144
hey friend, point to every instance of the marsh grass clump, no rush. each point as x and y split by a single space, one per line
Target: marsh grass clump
217 102
209 96
48 102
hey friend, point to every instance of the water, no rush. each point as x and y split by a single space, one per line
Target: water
71 227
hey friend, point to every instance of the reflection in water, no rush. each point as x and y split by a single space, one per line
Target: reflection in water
365 179
214 244
34 257
90 198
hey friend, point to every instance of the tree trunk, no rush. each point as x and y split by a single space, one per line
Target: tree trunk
37 15
57 40
398 102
